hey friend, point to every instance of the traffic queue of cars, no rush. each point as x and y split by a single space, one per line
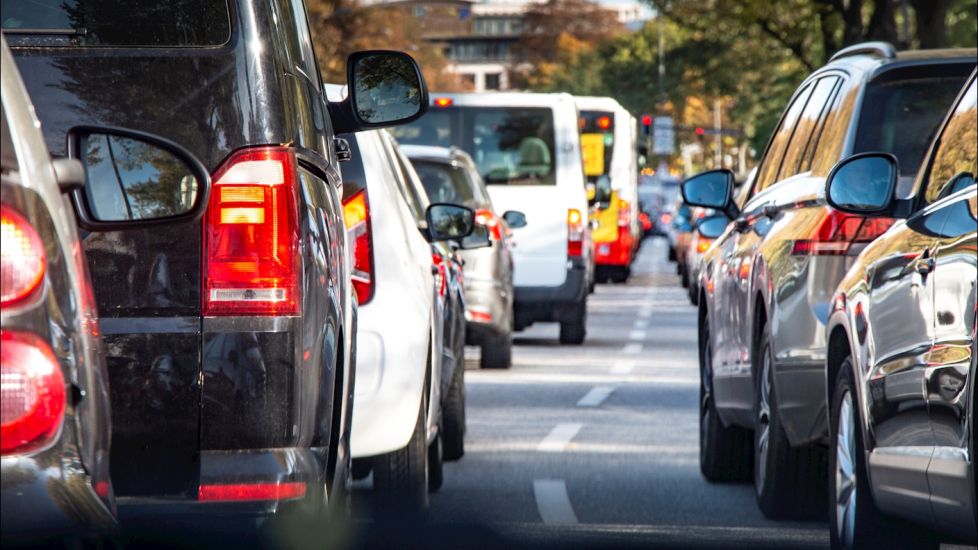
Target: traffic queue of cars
837 308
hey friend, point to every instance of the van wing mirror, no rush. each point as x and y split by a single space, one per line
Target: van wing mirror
134 179
386 88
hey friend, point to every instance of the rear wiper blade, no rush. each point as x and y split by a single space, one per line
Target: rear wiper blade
52 32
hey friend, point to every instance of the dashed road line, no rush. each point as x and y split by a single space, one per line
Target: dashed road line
552 501
632 349
622 367
559 437
637 335
596 396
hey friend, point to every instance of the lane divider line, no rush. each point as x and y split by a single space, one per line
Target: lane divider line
552 501
645 314
636 335
640 324
596 396
632 349
622 367
559 437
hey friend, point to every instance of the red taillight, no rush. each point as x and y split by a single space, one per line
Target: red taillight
441 278
491 221
356 214
443 102
479 316
22 259
575 233
702 245
838 232
604 122
32 392
624 214
251 236
665 218
251 491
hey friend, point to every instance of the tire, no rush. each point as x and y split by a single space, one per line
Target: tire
672 253
694 296
453 418
573 332
620 274
788 482
436 464
854 519
497 352
684 279
401 478
725 451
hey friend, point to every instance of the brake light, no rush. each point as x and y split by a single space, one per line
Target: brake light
604 122
702 245
624 214
32 392
251 491
490 220
575 233
22 259
838 232
443 102
666 218
441 278
251 236
356 214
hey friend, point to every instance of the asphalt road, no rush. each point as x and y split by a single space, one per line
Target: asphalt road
594 446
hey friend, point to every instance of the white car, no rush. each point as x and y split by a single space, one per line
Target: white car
397 393
527 149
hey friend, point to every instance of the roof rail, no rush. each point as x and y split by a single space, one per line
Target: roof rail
881 49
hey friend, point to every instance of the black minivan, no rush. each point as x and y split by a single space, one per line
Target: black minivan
227 340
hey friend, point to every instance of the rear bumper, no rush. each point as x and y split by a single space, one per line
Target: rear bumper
487 311
614 253
552 303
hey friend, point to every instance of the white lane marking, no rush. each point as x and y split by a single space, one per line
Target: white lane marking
622 367
596 396
636 335
559 437
640 324
632 349
552 501
645 314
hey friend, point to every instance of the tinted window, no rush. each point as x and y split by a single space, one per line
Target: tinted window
510 145
597 142
901 117
956 152
829 86
122 22
805 127
445 183
828 148
775 152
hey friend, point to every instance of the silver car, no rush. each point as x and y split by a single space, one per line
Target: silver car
450 176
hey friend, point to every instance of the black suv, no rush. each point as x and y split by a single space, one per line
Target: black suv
227 341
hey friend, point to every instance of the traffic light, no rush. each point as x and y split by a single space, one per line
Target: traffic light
700 133
646 124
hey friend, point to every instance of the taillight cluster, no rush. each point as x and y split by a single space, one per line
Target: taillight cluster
22 259
624 214
575 233
251 236
838 232
491 222
441 277
356 214
703 244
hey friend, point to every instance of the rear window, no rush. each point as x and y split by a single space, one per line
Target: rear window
147 23
446 183
597 142
510 145
902 116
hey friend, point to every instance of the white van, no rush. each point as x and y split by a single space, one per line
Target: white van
527 148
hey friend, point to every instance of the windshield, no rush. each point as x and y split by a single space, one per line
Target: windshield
597 142
119 22
510 145
902 116
445 183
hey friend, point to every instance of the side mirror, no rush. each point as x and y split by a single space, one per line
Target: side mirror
713 189
514 218
863 184
386 88
449 222
135 179
713 226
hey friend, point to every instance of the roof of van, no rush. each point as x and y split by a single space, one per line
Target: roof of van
596 102
505 99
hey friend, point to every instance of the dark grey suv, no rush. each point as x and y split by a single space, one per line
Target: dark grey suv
768 281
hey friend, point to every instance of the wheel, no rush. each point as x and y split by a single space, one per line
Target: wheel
436 464
787 481
453 418
694 296
574 331
672 253
620 274
497 352
854 519
401 477
725 451
684 279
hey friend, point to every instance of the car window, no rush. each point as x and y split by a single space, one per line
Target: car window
956 150
901 116
838 119
445 183
771 164
805 127
120 22
828 85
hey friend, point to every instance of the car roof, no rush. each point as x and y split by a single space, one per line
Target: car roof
873 59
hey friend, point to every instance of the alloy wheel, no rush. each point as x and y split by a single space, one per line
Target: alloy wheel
763 436
706 394
845 473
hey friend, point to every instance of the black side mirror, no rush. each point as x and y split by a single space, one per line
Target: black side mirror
712 189
863 184
386 88
449 222
135 179
514 218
